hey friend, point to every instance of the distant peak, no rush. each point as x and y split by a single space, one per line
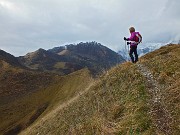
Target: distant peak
41 50
37 53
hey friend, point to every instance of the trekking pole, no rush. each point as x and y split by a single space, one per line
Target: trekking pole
128 52
125 44
126 49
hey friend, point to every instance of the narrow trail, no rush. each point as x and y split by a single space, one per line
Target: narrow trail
161 117
56 111
70 101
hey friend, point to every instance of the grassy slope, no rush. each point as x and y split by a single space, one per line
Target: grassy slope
115 104
165 66
118 102
24 110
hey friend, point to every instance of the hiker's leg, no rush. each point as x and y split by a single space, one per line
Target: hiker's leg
135 54
131 53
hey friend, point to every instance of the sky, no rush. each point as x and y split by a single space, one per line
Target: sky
27 25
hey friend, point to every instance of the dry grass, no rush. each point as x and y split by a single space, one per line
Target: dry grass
116 104
23 110
165 65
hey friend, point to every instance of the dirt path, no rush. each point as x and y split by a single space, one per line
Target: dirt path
56 111
67 103
161 117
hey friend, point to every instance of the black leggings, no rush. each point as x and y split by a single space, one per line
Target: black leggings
133 49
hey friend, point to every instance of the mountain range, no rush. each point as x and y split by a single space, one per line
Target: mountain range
70 58
37 96
39 80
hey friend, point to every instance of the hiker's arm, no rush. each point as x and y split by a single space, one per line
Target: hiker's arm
131 37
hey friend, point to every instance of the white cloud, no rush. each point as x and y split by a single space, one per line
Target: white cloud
30 24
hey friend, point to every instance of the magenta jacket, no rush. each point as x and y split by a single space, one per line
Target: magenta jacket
132 38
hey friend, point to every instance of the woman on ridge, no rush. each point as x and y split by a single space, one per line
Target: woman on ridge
134 40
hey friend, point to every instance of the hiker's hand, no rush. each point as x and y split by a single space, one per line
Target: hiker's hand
128 43
125 39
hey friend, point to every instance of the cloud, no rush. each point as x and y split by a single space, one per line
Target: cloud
28 25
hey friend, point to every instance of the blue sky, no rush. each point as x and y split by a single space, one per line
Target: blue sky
27 25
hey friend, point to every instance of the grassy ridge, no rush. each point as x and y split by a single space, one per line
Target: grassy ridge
165 65
115 105
118 102
24 110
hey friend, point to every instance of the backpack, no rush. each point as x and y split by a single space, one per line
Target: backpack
138 38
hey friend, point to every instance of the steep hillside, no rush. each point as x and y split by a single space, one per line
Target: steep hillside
141 98
15 79
70 58
18 112
47 61
26 95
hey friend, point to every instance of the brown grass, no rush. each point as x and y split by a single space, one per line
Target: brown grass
117 103
164 64
23 110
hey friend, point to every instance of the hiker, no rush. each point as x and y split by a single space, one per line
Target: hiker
134 40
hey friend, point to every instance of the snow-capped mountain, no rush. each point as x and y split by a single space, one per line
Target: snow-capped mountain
148 47
143 49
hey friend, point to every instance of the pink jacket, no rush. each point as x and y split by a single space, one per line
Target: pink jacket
132 38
